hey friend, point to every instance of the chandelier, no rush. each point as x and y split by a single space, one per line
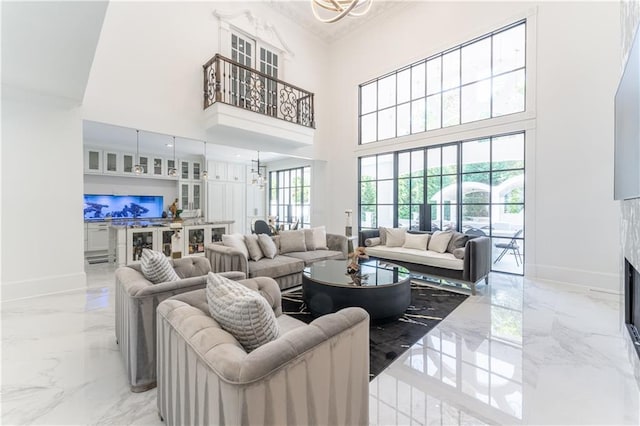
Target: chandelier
258 173
339 9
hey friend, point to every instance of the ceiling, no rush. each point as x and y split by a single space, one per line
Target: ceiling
117 138
300 12
41 49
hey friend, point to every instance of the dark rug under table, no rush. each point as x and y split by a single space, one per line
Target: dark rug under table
388 340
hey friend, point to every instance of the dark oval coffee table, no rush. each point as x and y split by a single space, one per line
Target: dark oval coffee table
382 289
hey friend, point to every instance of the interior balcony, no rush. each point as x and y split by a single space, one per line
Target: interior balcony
250 109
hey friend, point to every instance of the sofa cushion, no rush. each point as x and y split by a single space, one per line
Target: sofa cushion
458 240
268 246
292 241
241 311
255 252
313 256
236 241
439 241
395 236
320 238
156 267
279 266
416 241
421 257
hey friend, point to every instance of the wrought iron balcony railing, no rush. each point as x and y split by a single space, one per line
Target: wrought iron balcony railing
232 83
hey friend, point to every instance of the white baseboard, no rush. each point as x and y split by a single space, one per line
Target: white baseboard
41 286
591 280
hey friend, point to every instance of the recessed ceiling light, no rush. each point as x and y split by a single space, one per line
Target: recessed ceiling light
169 145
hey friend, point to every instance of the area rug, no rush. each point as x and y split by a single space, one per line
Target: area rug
389 340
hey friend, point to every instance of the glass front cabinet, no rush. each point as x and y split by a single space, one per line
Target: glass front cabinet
138 239
173 243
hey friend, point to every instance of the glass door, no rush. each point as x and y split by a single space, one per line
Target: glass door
195 241
269 66
139 239
165 237
242 52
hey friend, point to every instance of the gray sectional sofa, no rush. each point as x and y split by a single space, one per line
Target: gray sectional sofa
286 267
472 264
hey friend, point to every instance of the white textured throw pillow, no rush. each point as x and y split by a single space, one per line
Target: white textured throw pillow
416 241
236 241
156 267
320 238
267 245
395 236
255 252
241 311
439 241
371 242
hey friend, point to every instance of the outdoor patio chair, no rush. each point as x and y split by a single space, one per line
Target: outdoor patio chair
511 245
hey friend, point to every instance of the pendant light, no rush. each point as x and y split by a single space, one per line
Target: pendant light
173 171
258 178
205 173
137 169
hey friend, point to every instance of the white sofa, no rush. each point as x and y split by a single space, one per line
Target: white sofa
472 268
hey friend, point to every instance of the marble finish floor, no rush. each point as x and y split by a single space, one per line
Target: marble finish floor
521 352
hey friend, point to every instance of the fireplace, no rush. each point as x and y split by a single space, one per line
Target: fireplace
632 303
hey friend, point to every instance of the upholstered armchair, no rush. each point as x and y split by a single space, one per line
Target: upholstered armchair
315 373
136 301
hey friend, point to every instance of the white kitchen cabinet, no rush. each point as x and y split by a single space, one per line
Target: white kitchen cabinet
217 170
236 172
112 162
93 160
157 166
97 236
190 195
128 161
190 169
226 201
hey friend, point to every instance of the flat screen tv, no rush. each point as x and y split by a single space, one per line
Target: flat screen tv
122 206
627 129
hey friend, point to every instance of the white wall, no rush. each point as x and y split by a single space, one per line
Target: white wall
147 71
572 233
42 225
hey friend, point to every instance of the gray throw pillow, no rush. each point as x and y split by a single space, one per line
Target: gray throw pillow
309 240
255 252
242 312
459 253
383 235
156 267
267 245
458 240
292 241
